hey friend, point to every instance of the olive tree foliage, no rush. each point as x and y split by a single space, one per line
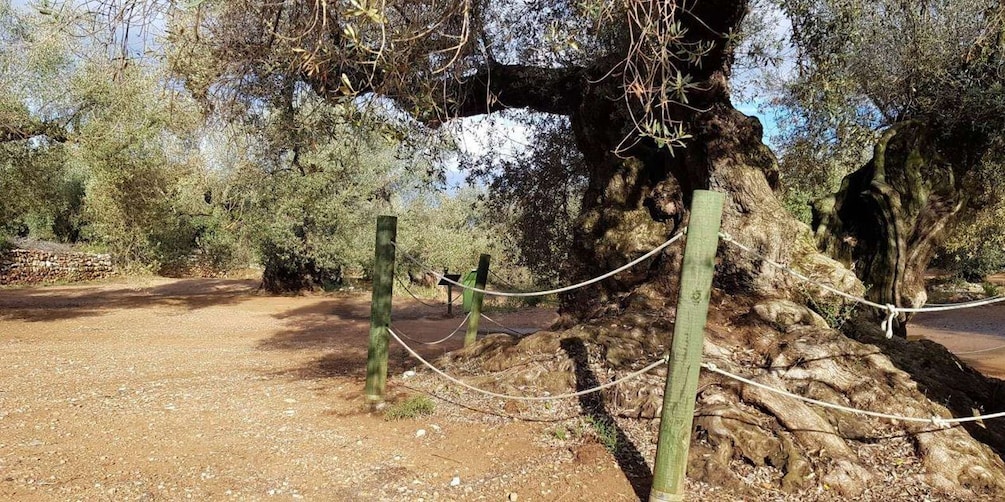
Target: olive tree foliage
975 247
420 53
860 67
304 180
537 189
96 151
313 185
448 231
34 70
913 92
441 60
142 200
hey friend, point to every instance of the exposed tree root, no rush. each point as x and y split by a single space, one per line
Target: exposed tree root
793 446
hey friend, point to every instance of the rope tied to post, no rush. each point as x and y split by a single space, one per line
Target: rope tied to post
572 287
887 325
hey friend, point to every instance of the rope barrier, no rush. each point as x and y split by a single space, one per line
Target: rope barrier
935 420
627 266
452 333
410 293
511 330
887 325
953 306
970 352
892 311
489 393
962 304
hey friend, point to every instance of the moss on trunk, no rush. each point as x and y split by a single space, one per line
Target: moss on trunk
889 216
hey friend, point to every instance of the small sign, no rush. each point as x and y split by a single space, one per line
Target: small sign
452 277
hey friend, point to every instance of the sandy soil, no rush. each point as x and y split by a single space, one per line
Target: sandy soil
163 389
976 335
204 389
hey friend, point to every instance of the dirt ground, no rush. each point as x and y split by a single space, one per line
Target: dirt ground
171 389
165 389
975 335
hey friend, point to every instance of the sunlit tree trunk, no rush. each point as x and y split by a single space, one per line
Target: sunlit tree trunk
889 217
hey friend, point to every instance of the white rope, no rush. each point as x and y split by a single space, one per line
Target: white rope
891 316
727 238
452 333
892 310
953 306
436 370
969 352
935 420
497 323
963 304
410 293
627 266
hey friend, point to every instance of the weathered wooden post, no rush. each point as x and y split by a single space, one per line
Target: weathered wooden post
685 353
477 298
380 308
450 294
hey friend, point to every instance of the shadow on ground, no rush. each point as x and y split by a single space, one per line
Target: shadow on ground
40 304
629 458
341 328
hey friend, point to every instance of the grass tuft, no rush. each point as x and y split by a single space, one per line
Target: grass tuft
606 432
413 407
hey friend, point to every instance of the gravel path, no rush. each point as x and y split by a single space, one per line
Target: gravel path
164 389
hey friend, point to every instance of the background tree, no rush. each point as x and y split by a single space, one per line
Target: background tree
927 75
536 191
37 187
645 89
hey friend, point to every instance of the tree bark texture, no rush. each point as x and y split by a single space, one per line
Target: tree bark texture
635 201
890 215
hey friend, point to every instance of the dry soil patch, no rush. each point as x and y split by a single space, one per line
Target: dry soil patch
171 389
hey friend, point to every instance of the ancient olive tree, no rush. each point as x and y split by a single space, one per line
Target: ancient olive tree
645 89
927 76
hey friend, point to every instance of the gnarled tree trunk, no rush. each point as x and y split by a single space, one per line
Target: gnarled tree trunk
633 204
890 215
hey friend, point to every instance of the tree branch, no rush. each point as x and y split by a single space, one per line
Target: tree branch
498 87
494 87
20 132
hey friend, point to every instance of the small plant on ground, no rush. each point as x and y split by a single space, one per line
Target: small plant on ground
413 407
991 289
607 432
836 312
560 433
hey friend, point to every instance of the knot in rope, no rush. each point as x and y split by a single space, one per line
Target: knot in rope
726 237
891 316
940 422
710 367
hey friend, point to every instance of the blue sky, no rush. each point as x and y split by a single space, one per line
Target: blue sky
768 118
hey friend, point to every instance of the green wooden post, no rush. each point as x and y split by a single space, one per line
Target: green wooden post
685 353
476 299
380 308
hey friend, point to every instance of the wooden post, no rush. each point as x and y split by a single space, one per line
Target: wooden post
685 353
450 296
481 278
380 308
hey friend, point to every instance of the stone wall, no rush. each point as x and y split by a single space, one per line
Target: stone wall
30 266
